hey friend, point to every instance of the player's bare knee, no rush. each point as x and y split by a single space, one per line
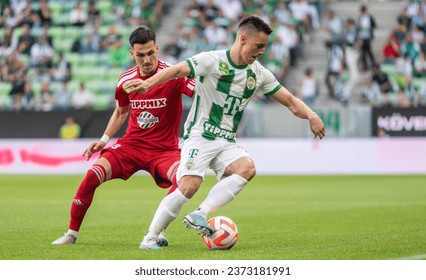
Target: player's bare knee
243 167
189 185
248 172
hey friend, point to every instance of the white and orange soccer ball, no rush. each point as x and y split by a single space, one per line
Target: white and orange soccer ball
225 235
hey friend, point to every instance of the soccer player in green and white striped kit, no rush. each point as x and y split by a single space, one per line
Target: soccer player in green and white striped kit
226 81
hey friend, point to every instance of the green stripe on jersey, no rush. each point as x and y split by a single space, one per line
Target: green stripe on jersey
188 131
274 90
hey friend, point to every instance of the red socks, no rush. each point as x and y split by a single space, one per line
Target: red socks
95 176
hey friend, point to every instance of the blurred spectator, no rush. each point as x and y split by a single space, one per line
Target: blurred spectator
26 38
12 69
82 98
63 97
141 14
402 100
62 70
366 25
28 99
335 63
404 20
301 12
404 69
412 7
419 18
382 133
17 90
78 16
372 93
10 18
290 40
351 57
232 9
26 16
172 51
410 47
307 88
69 130
390 50
45 101
94 42
399 33
410 91
44 13
9 44
422 94
41 54
420 65
281 52
45 33
275 65
382 80
118 54
282 13
334 25
216 35
112 34
417 34
93 13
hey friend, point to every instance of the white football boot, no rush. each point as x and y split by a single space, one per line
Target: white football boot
68 238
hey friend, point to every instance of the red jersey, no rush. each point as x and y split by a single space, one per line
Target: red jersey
155 115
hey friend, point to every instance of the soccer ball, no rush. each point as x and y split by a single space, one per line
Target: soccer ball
225 235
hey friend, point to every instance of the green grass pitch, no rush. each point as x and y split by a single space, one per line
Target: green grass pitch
278 217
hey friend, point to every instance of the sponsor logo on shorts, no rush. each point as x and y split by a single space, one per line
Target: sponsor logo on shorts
146 120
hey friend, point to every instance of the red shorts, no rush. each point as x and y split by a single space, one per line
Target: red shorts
126 159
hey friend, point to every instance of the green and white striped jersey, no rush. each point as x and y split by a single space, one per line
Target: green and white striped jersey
223 91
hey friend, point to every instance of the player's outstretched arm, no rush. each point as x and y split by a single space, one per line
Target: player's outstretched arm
300 109
116 121
176 71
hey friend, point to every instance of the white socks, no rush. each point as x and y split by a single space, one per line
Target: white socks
221 194
72 232
167 211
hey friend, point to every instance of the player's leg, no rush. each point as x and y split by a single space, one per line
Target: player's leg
190 174
100 172
236 168
163 170
167 211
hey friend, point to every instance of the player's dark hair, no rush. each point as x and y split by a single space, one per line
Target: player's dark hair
141 35
255 23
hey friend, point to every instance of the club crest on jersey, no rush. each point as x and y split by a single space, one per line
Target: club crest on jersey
146 120
190 163
223 68
251 83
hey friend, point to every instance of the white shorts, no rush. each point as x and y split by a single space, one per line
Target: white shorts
198 154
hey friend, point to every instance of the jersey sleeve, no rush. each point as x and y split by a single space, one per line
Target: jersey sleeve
269 84
188 87
200 64
121 96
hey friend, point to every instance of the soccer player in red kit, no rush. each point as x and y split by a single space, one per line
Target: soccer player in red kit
151 140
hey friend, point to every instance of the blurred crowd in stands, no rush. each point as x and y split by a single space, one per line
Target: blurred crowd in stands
397 77
57 54
54 54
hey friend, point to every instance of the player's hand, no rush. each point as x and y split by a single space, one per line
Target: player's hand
137 85
317 126
94 147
